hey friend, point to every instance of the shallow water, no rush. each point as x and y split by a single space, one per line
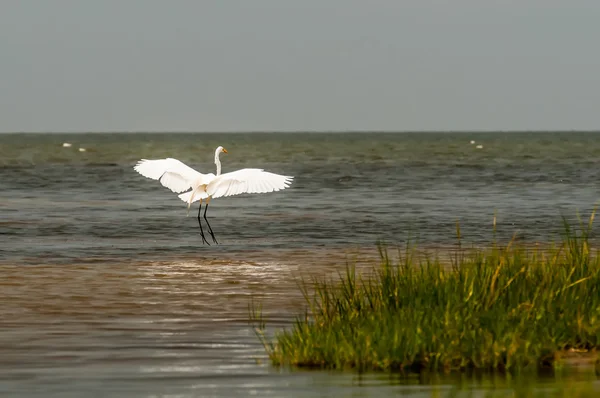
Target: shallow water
106 287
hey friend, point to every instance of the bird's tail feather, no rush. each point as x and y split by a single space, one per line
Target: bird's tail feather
191 197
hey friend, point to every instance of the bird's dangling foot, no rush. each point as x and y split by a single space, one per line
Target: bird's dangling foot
212 235
208 225
200 224
203 238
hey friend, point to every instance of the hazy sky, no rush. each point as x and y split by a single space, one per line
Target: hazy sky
299 65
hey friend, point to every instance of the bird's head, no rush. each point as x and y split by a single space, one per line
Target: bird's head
220 149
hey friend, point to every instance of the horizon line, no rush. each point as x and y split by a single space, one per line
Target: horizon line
299 131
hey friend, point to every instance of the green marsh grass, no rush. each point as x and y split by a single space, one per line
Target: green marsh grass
502 308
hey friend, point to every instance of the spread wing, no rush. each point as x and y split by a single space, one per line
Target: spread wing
171 173
247 181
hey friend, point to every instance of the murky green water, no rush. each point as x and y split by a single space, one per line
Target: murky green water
107 289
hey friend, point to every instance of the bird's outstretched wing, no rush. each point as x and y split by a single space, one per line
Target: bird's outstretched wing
247 181
172 173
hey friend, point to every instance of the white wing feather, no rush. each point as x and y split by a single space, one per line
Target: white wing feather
172 173
247 181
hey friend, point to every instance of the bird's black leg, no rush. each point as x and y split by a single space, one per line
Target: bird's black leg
209 228
200 224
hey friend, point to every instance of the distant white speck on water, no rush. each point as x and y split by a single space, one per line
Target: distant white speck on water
81 149
66 144
479 146
472 141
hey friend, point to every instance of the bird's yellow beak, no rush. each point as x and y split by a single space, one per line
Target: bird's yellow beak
224 150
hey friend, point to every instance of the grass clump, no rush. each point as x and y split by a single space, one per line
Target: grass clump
502 308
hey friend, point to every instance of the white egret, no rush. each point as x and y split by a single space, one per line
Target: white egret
179 177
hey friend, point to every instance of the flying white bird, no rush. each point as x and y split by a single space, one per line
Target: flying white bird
179 177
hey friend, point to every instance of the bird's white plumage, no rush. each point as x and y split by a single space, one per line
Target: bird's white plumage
246 181
172 173
198 194
179 177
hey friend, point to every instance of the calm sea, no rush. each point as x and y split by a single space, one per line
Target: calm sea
107 289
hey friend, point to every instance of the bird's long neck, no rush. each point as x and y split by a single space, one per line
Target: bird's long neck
218 163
